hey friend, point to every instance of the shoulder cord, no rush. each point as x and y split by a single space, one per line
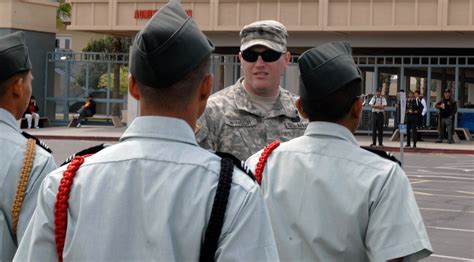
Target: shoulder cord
216 221
22 182
262 160
61 206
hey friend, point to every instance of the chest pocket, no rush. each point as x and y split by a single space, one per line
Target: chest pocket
241 122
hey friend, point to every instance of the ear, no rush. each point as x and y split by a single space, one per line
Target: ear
205 89
133 87
287 59
17 87
356 110
299 106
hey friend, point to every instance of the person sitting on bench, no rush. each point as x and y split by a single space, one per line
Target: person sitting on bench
87 110
32 112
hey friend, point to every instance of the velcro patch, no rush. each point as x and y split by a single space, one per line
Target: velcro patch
292 125
243 122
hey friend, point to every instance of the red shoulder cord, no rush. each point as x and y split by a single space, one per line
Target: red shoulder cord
60 208
262 160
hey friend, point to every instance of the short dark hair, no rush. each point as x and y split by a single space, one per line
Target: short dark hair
335 106
4 86
417 91
178 93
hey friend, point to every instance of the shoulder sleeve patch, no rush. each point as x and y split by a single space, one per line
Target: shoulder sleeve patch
87 151
383 154
38 142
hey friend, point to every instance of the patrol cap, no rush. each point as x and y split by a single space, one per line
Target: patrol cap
268 33
168 48
14 56
325 69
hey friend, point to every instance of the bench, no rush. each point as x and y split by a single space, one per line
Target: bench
43 122
466 134
98 119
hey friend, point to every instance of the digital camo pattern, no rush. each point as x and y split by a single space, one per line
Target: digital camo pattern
232 124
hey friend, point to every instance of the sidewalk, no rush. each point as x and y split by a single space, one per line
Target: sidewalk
109 133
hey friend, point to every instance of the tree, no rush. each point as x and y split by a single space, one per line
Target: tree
63 14
107 44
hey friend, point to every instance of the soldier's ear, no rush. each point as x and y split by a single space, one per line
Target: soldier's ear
133 87
356 110
299 106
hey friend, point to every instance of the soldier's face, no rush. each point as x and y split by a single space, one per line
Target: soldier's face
263 78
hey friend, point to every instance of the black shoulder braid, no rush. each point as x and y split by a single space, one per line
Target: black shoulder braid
383 154
38 142
87 151
238 163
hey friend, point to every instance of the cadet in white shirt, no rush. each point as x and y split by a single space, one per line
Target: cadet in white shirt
149 197
24 162
329 199
377 103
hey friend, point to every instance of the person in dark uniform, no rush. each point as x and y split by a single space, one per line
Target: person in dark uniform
447 110
413 109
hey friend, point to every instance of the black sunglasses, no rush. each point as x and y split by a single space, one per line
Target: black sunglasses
267 55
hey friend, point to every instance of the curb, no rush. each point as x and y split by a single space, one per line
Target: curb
430 150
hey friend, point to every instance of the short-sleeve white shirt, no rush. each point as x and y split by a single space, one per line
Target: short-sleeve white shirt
330 200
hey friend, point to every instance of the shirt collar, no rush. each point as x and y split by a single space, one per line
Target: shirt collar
7 118
166 128
318 128
281 107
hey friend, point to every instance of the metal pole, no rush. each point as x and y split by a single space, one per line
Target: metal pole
108 88
456 92
66 90
428 99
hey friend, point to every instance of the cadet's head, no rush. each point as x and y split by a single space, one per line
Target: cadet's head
263 56
417 93
15 74
411 94
169 65
447 94
378 92
330 85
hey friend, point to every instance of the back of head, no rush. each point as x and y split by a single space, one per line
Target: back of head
169 47
269 33
330 81
14 58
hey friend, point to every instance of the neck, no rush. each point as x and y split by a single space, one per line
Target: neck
262 92
180 114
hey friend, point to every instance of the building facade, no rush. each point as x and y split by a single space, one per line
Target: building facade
399 44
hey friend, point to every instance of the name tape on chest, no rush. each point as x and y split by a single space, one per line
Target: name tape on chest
299 125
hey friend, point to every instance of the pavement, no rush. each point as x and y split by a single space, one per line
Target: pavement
110 133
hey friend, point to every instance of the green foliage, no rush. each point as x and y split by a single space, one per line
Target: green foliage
97 70
63 13
123 80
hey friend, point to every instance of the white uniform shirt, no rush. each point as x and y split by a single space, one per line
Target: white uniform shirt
149 198
12 153
378 100
330 200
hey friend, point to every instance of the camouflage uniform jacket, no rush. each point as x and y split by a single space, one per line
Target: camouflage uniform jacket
232 124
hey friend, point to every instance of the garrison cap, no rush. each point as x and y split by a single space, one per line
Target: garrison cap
325 69
14 56
168 48
268 33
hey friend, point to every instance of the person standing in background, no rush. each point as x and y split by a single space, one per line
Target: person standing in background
413 113
447 109
377 103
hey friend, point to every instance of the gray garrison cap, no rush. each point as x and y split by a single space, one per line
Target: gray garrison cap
268 33
14 56
325 69
168 48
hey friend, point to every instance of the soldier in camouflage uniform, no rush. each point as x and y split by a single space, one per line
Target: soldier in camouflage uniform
243 118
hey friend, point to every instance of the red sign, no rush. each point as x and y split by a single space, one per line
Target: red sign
148 13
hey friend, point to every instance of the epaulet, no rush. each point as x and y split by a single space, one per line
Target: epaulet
87 151
38 142
383 154
238 163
